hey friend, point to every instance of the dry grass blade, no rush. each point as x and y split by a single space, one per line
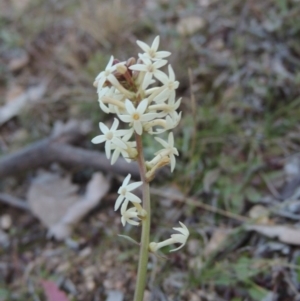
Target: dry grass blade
193 202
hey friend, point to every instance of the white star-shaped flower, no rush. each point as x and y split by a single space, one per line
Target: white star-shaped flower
128 214
180 238
170 85
151 52
111 137
125 192
130 147
169 149
166 108
137 116
151 69
175 238
112 93
107 74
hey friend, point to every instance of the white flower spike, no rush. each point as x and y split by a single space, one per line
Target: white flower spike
175 238
125 192
142 95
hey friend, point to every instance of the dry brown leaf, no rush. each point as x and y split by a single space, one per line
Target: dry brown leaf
285 234
50 196
96 189
54 200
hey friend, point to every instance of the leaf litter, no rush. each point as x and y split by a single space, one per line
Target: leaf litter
56 202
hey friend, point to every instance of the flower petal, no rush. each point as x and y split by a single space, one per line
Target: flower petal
138 127
119 201
125 118
143 46
130 107
98 139
110 62
142 106
126 180
162 54
148 116
147 80
160 63
173 250
173 162
155 44
133 198
159 75
134 185
138 67
171 73
107 149
104 129
115 156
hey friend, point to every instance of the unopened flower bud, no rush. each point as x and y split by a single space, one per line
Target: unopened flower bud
161 163
121 68
153 247
130 61
132 152
141 211
115 62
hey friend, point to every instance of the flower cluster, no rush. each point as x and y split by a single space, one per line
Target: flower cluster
126 89
142 96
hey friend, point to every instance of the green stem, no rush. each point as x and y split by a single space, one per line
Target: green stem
144 250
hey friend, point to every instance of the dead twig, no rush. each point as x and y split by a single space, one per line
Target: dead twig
197 203
42 154
13 201
56 149
77 157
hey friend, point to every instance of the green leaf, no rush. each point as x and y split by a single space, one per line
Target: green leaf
129 239
253 195
257 293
